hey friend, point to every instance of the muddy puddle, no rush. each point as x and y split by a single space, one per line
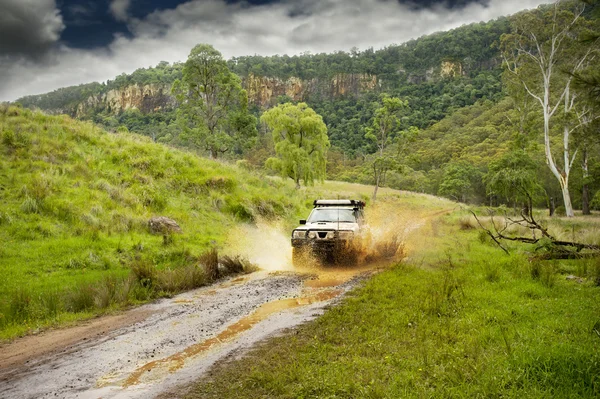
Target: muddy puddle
319 284
174 362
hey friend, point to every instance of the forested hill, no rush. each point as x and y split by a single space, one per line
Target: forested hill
465 51
437 74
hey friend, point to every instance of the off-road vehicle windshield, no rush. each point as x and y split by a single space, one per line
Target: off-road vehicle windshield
332 215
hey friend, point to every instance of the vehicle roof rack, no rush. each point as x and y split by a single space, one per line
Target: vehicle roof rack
339 202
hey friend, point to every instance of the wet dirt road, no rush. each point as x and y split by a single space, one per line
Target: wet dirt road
173 341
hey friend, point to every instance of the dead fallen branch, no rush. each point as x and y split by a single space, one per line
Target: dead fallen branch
501 227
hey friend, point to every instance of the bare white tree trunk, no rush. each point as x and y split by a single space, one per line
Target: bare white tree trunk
544 54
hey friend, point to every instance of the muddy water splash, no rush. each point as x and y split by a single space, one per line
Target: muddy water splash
264 244
170 364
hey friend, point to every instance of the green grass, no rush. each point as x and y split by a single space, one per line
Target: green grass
74 206
458 319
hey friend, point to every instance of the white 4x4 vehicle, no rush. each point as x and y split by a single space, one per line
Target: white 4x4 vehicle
331 232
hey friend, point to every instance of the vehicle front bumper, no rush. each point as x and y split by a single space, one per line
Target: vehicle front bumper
320 244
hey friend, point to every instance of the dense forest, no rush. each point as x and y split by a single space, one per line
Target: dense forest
467 110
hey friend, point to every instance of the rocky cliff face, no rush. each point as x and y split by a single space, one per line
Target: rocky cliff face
264 91
146 98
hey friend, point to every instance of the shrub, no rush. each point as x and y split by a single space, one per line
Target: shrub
9 139
241 212
466 223
232 264
210 261
5 218
30 205
52 303
170 281
20 304
145 272
545 272
81 298
238 264
491 271
243 164
13 140
194 276
111 290
265 209
220 183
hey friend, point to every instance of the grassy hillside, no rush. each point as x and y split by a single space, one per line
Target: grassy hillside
74 208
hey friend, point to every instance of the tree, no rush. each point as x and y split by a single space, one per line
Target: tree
588 79
213 106
385 125
301 142
541 48
514 178
459 180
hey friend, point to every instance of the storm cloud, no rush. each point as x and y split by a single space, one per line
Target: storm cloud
235 29
28 28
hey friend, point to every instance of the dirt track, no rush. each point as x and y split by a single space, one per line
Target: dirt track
167 343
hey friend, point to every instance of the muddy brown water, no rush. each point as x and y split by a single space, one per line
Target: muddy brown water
177 361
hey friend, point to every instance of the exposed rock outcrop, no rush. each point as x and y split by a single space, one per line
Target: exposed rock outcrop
264 91
451 69
146 98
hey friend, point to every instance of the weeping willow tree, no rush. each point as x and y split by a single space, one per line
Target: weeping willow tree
301 142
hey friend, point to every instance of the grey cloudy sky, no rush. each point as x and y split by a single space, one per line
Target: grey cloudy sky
43 43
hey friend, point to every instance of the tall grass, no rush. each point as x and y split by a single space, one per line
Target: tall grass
144 282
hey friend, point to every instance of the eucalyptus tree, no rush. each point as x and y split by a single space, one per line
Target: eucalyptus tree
301 142
543 53
386 123
213 107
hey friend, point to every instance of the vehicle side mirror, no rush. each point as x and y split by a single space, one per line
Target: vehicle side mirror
302 221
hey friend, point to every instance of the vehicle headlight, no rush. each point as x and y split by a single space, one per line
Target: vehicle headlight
345 234
330 235
299 234
312 234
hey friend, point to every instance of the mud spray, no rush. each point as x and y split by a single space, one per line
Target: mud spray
267 243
